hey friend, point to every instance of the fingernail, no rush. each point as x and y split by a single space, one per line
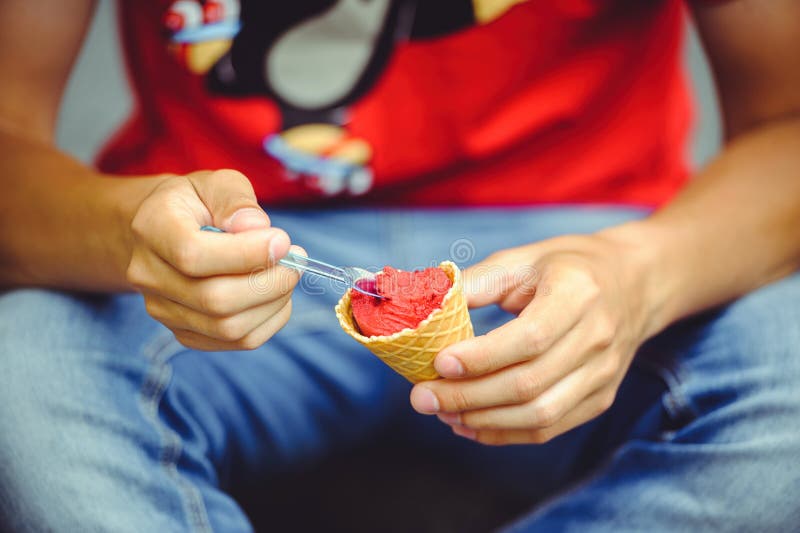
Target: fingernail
450 418
275 247
448 366
463 431
424 400
248 218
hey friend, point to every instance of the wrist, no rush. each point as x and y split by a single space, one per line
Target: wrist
122 198
646 273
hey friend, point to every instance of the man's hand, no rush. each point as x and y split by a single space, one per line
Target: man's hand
200 284
597 298
582 309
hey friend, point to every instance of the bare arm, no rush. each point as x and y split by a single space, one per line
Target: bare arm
61 223
737 225
64 225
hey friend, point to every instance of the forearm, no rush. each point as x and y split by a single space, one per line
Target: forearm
62 224
734 228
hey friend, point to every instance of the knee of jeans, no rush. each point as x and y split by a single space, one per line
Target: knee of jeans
43 343
40 323
57 354
60 380
38 330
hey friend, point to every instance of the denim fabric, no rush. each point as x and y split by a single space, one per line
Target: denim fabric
108 424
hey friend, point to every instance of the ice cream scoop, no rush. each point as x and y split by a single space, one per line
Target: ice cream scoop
408 299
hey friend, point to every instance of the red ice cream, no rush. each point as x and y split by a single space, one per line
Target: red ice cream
409 298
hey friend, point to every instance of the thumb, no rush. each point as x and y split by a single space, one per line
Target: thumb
246 218
230 200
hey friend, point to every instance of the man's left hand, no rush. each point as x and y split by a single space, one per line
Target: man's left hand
582 313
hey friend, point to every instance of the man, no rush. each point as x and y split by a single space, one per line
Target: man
641 402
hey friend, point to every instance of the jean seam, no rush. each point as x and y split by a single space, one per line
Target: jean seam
675 401
156 381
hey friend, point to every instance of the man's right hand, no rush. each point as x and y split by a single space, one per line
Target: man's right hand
200 284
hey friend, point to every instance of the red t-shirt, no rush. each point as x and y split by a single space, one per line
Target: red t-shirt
545 101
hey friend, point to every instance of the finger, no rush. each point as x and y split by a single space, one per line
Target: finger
491 280
543 411
592 407
521 339
173 232
517 384
217 296
485 283
253 340
227 329
229 197
203 253
169 225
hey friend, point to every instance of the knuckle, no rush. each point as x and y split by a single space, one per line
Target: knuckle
608 370
213 301
606 331
184 341
536 338
580 278
188 341
540 436
152 207
605 402
474 420
525 386
251 342
458 400
258 337
153 308
226 174
591 294
229 175
136 276
545 415
138 227
479 360
229 329
187 257
591 285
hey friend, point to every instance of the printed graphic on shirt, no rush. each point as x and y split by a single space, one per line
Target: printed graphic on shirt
314 59
201 33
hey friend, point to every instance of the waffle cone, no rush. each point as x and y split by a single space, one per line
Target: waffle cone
410 352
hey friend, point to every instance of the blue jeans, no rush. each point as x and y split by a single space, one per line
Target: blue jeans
107 423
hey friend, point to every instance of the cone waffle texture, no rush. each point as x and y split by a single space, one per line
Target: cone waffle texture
410 352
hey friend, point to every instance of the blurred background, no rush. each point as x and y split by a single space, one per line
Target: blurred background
97 96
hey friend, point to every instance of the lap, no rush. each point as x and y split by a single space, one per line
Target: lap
98 398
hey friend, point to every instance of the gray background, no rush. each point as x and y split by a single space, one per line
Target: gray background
97 97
